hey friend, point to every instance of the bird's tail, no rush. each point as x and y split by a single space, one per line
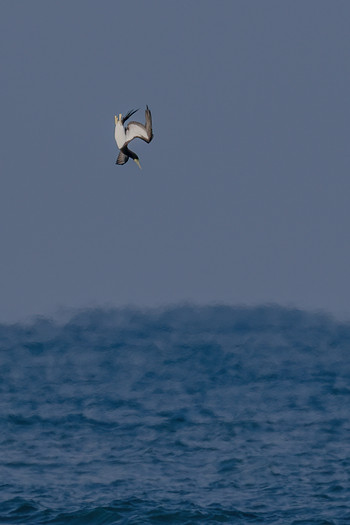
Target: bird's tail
122 158
128 115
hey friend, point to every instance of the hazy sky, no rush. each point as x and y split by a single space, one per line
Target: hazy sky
244 195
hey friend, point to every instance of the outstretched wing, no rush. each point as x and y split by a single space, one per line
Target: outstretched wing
137 130
122 158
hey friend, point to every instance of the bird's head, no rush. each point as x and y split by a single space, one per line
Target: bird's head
134 158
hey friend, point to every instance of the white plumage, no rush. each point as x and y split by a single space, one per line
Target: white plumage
119 134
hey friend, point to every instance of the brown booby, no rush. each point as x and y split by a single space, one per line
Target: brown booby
132 131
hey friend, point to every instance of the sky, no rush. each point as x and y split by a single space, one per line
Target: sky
245 189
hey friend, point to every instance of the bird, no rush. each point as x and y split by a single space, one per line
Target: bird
132 131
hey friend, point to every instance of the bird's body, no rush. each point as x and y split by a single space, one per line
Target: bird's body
132 131
119 133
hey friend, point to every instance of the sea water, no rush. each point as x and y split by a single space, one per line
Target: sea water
186 414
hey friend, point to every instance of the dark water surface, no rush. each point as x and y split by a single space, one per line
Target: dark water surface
180 415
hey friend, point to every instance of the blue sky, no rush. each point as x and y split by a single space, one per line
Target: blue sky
244 193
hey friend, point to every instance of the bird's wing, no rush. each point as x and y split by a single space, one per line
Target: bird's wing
122 158
137 130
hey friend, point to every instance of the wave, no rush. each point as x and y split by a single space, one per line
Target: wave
185 319
182 414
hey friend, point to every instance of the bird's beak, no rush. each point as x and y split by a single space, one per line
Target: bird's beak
138 163
115 119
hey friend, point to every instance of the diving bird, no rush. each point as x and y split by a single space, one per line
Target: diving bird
132 131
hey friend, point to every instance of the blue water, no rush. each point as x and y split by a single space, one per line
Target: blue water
177 415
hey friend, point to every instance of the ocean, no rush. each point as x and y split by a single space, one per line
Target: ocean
183 414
